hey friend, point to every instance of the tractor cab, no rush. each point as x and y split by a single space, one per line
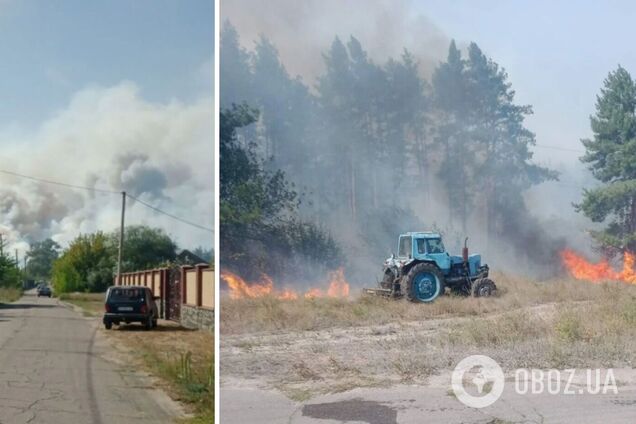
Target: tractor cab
424 246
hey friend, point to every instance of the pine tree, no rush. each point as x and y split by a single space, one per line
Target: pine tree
234 68
452 102
611 156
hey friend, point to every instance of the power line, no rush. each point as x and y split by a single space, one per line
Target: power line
42 180
170 215
100 190
565 149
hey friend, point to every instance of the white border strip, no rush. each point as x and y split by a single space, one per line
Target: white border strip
217 303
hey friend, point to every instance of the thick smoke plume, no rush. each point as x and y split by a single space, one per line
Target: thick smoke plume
110 138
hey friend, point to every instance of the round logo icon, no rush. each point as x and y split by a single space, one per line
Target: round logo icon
486 377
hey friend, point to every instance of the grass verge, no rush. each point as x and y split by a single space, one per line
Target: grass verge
182 359
92 304
9 294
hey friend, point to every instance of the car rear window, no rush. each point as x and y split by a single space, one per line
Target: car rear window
126 295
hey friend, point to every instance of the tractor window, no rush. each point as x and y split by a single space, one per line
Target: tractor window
434 246
421 246
405 249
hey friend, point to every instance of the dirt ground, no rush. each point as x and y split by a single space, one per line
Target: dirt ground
309 348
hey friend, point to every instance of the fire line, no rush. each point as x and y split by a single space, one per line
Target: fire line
338 287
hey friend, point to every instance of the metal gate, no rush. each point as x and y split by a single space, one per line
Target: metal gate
173 294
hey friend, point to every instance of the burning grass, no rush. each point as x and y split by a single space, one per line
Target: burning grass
581 269
270 313
241 289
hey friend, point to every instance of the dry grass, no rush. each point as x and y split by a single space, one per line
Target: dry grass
9 294
269 314
306 347
183 359
92 304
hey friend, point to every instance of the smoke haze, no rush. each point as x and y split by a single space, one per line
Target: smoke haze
110 138
302 32
300 29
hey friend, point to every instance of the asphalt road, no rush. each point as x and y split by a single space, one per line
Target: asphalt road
244 403
53 370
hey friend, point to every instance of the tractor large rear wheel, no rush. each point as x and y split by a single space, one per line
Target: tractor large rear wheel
484 287
424 283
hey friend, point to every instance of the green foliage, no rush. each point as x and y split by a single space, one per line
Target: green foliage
205 254
611 156
89 263
485 144
41 256
144 247
9 272
259 208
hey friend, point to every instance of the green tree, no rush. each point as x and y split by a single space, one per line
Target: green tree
9 272
487 161
144 247
453 103
611 156
497 128
40 258
234 68
204 253
87 265
260 230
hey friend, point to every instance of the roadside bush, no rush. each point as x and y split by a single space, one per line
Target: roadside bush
87 265
65 279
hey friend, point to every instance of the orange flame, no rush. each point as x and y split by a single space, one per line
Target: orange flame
581 269
338 286
240 289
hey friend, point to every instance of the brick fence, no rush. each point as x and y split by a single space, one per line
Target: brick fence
186 293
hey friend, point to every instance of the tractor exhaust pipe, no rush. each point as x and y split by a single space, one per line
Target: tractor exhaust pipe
465 251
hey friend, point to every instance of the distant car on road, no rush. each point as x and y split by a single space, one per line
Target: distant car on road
130 304
44 291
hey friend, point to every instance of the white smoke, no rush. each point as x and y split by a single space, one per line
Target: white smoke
110 138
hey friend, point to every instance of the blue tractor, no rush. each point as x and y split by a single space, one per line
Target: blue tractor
423 269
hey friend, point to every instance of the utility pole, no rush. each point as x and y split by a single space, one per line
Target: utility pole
1 245
121 236
17 263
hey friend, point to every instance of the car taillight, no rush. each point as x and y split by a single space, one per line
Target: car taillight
143 309
107 307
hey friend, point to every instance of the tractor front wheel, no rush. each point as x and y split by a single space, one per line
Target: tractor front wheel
424 283
484 287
